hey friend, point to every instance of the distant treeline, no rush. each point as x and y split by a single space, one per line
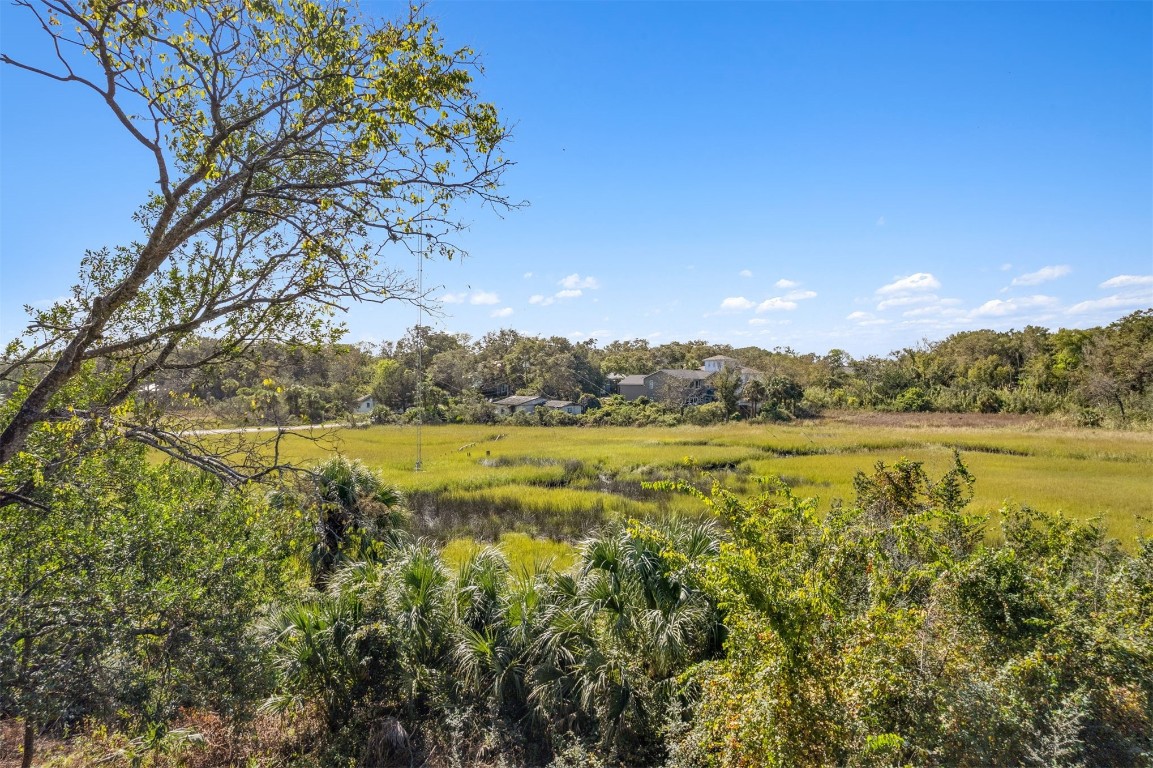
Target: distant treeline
1095 375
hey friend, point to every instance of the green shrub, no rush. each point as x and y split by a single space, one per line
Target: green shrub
913 399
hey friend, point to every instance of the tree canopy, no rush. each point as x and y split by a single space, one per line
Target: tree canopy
293 142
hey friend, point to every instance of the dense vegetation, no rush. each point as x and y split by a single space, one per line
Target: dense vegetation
482 481
1093 376
308 628
174 598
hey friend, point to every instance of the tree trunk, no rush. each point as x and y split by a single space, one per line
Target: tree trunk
29 743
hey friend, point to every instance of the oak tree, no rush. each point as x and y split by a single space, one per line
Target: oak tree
292 142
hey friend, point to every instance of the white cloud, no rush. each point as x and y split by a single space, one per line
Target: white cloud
1127 281
1000 308
484 297
774 304
904 301
758 321
800 295
783 283
865 318
475 297
881 222
736 303
502 312
1006 267
1116 301
543 301
575 281
1042 275
746 273
921 281
527 275
942 308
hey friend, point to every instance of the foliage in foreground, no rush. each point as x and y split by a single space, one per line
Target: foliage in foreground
886 632
128 589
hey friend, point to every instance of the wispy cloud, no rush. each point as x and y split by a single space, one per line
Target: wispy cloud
1002 307
904 301
502 312
786 302
1116 301
865 318
572 287
1042 275
527 275
881 221
736 303
576 282
484 297
473 297
945 308
1127 281
920 281
775 304
746 273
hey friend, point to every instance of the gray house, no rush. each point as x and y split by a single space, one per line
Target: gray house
518 404
718 362
567 406
363 404
632 387
677 386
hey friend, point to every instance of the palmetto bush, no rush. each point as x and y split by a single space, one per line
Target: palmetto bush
593 654
887 631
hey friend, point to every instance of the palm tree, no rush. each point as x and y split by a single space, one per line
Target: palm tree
755 393
354 506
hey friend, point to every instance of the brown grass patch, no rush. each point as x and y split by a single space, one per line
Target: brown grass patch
886 420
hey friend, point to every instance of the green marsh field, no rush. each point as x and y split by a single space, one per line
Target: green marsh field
517 485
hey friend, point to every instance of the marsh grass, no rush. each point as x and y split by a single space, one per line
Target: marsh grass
482 482
524 552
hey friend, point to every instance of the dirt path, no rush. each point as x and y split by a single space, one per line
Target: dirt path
242 430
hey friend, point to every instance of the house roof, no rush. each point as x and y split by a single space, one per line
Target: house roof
681 373
558 403
720 357
362 398
637 379
520 400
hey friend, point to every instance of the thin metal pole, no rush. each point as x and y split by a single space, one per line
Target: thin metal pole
420 254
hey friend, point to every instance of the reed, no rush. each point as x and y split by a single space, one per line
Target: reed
484 481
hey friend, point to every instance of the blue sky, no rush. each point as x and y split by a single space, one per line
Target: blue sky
817 175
